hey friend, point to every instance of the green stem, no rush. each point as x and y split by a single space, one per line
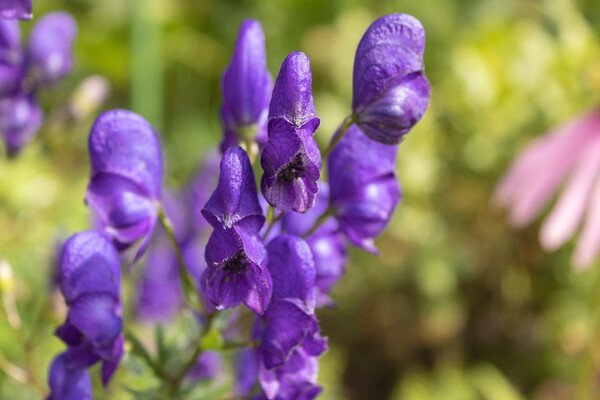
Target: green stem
272 220
322 218
189 289
346 124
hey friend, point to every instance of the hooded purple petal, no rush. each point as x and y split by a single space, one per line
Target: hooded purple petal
66 383
90 282
291 159
364 189
297 377
89 262
15 9
11 57
326 244
286 327
50 52
126 175
247 87
20 120
235 273
235 197
292 95
390 93
292 268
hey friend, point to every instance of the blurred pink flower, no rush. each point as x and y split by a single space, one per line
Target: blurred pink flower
569 154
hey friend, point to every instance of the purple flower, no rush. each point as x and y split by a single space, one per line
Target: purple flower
567 157
207 367
68 383
290 315
247 87
125 183
20 120
11 57
326 244
159 294
297 377
235 253
364 188
246 371
390 92
15 9
50 52
291 159
91 283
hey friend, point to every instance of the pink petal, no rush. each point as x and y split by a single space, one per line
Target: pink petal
542 166
589 240
568 212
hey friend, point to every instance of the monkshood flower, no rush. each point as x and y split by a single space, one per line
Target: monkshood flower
290 315
11 57
285 362
390 92
363 185
159 295
68 383
291 159
247 86
15 9
126 174
235 254
50 51
48 59
297 377
567 158
326 244
20 119
90 281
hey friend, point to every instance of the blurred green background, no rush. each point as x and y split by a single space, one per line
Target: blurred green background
458 305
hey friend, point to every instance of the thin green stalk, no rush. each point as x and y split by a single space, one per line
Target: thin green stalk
189 289
272 220
346 124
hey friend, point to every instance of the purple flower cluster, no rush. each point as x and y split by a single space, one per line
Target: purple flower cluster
283 270
24 71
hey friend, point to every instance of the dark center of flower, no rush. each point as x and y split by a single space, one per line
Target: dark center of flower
238 263
292 170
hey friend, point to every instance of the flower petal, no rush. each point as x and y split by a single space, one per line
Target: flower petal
123 143
292 95
68 384
292 268
235 197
